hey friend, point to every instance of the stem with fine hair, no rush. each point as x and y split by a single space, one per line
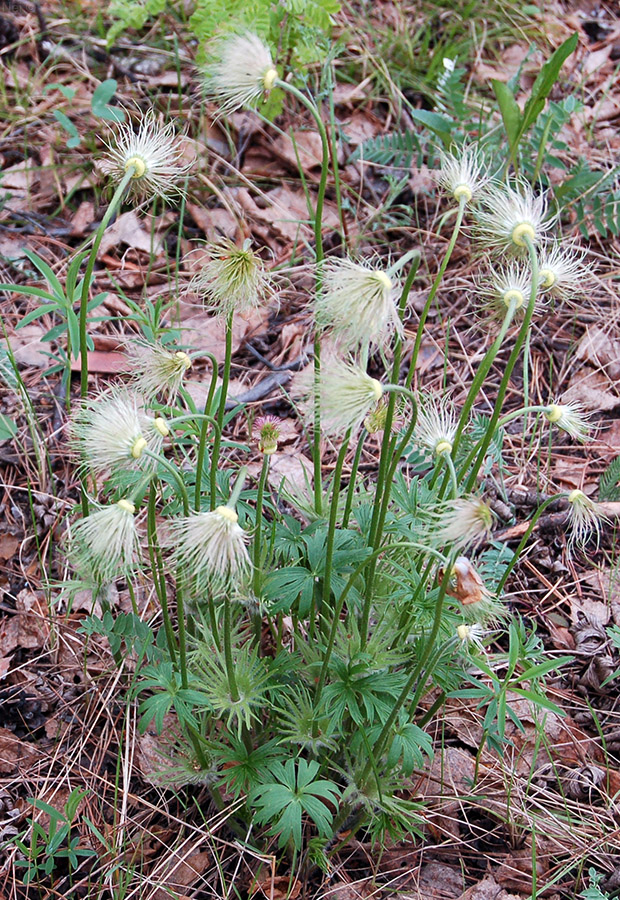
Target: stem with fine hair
176 475
417 672
221 410
524 540
434 289
202 441
258 534
319 254
512 361
90 265
353 478
331 529
157 569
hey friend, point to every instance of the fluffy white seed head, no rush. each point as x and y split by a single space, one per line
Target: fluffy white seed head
234 279
570 417
461 522
346 395
104 545
112 431
462 173
241 74
562 272
436 425
210 549
156 369
508 218
154 151
585 519
357 304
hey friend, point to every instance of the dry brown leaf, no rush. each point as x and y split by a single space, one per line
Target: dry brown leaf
488 889
215 223
593 390
129 229
305 144
8 545
361 126
181 872
83 217
102 362
294 469
5 665
202 331
450 776
28 627
436 881
599 349
27 346
15 754
277 888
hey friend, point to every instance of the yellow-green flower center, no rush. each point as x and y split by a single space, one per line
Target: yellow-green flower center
547 278
270 78
576 496
127 506
138 164
227 513
377 388
183 358
462 192
463 632
513 296
443 447
138 448
554 413
160 425
522 231
384 280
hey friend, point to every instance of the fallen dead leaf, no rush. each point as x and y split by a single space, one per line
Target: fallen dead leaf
102 362
436 881
181 872
303 144
8 545
277 888
593 390
5 664
128 229
488 889
599 349
15 754
27 346
28 627
292 469
84 216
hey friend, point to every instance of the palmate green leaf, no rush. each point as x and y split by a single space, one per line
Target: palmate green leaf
293 792
288 586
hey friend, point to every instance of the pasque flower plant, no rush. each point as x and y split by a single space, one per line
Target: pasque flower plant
308 642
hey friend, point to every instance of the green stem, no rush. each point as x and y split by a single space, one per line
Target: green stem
353 478
524 540
217 441
257 548
447 459
90 265
319 254
202 443
176 475
331 529
434 289
158 571
387 470
228 654
401 545
512 361
417 672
